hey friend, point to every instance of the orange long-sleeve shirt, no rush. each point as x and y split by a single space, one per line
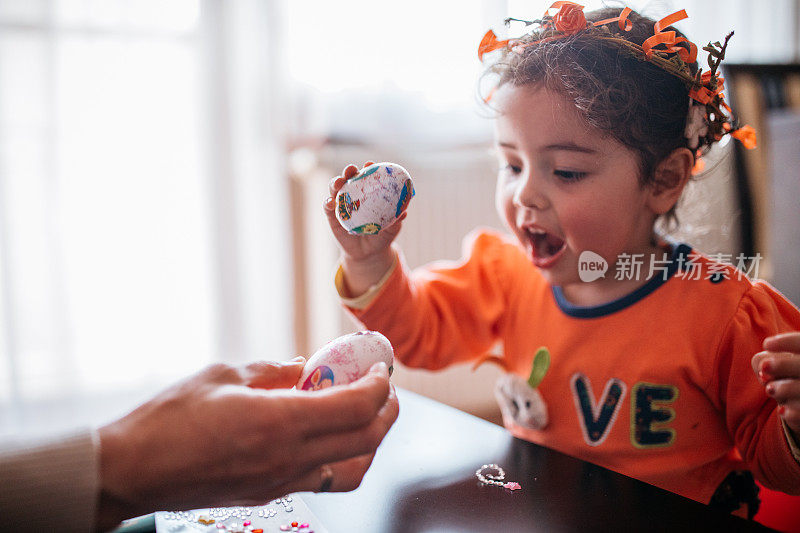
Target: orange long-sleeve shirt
657 385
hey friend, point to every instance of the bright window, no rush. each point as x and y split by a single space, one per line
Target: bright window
105 274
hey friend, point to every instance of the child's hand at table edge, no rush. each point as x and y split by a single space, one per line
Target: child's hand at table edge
778 369
365 258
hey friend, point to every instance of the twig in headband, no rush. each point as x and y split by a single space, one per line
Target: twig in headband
509 20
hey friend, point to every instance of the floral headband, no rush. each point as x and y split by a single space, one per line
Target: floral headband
709 116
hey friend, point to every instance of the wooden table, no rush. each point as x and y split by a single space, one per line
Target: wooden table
423 479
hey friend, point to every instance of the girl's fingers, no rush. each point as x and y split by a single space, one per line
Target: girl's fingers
757 360
328 204
349 171
330 212
784 390
335 184
777 365
785 342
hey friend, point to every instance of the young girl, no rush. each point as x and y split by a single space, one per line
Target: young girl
681 371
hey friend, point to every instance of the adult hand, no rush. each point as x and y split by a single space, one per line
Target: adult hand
238 436
365 258
778 369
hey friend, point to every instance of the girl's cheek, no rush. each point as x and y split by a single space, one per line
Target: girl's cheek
581 219
587 228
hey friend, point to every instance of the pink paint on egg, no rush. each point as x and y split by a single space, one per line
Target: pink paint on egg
345 359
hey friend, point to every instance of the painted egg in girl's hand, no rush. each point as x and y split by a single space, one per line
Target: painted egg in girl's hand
345 359
374 198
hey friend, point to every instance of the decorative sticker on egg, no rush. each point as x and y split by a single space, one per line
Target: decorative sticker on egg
345 359
374 198
320 378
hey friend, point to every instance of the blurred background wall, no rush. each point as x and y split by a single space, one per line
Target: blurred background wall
163 166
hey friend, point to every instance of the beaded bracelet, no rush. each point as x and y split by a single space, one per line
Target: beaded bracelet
492 474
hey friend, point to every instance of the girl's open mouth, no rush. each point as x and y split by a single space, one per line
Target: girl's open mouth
546 248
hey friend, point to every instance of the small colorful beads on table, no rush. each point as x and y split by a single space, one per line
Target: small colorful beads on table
236 519
267 513
296 526
224 513
287 503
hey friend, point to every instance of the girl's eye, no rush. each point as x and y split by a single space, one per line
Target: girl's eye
569 175
512 169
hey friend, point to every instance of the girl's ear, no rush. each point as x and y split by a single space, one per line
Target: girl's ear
671 176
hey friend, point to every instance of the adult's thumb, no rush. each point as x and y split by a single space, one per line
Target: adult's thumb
273 374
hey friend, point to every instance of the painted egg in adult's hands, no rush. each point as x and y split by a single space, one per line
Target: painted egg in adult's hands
374 198
345 359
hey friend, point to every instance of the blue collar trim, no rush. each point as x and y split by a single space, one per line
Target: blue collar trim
678 260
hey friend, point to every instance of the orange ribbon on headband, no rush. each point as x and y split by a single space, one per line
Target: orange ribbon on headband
559 5
622 20
489 43
569 20
669 20
669 39
746 135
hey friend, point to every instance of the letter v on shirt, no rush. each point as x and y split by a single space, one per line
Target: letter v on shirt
648 405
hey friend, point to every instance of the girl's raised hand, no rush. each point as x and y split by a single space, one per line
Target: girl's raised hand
365 258
778 369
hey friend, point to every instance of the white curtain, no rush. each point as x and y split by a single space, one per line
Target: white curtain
143 201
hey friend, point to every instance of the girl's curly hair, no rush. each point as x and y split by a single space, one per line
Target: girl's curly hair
636 102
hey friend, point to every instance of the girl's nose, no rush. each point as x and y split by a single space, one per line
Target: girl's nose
529 193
